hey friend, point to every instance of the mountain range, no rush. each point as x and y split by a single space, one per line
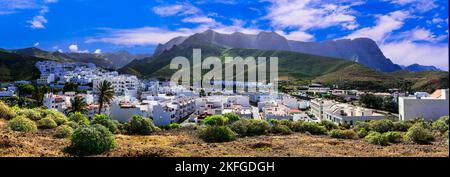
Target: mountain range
361 50
357 63
113 60
419 68
292 65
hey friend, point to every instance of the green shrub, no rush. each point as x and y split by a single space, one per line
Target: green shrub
344 126
362 125
79 118
174 126
441 124
381 126
215 120
402 126
274 121
250 127
313 128
73 124
47 123
140 126
232 117
6 112
217 134
106 121
32 114
58 117
286 122
90 140
343 134
328 124
418 133
22 124
63 131
280 129
297 126
393 137
362 133
190 126
376 138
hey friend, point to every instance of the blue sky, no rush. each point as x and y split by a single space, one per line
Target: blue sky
407 31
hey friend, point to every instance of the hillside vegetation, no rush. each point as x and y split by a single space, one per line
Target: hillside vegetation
43 132
295 66
15 67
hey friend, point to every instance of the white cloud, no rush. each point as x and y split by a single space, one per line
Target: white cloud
74 49
385 25
200 19
407 52
60 51
12 6
155 35
98 51
416 5
311 14
36 44
297 35
38 22
421 34
140 36
178 9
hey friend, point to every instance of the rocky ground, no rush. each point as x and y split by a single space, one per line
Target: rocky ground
184 143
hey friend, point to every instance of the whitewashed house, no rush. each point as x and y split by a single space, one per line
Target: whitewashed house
56 102
421 105
341 113
318 105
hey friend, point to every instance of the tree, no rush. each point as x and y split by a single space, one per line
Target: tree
70 87
78 105
371 101
38 94
25 89
202 93
405 86
105 93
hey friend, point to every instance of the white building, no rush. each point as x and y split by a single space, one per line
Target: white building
429 107
45 79
318 105
341 113
172 110
239 105
56 102
122 111
123 84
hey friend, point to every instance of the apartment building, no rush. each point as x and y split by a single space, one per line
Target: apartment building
317 107
341 113
424 105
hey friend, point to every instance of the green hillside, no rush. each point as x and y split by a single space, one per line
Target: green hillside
98 60
295 66
291 64
17 67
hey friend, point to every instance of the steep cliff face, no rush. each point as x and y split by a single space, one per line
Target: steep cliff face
362 50
168 45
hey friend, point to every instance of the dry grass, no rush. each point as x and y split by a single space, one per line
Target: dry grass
184 143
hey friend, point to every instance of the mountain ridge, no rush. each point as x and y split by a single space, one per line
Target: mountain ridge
110 60
362 50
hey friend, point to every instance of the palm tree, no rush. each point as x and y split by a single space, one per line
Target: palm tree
105 93
78 105
38 94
